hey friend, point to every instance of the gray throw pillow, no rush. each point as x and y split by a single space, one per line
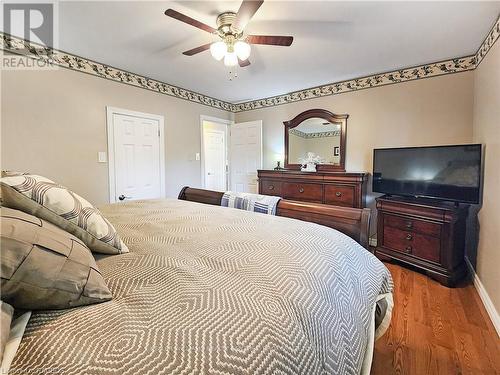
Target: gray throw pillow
44 267
6 313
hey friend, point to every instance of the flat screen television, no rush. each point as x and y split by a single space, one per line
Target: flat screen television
451 173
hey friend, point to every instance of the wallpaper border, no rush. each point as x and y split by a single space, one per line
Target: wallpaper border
70 61
81 64
456 65
488 42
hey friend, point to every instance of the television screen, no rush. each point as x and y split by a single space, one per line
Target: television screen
443 172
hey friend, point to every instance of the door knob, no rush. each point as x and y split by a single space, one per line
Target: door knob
301 190
123 197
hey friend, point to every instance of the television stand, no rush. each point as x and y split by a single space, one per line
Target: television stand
424 233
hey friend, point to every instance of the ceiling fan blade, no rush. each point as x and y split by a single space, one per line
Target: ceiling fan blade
273 40
190 21
196 50
243 63
245 13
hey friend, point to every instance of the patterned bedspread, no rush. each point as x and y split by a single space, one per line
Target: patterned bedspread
215 290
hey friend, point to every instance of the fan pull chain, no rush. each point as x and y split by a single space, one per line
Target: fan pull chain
233 74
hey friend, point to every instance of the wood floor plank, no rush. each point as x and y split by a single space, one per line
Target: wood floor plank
436 330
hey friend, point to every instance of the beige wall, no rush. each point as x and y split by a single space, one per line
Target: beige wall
487 131
424 112
54 123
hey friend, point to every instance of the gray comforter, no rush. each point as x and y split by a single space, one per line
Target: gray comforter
214 290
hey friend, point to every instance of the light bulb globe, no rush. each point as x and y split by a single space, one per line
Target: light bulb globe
242 50
230 59
218 50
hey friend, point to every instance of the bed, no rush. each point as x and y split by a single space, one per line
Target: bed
214 290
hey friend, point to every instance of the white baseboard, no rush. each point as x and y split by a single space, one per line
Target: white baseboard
483 294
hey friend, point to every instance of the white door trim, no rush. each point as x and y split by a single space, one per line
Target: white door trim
110 111
228 123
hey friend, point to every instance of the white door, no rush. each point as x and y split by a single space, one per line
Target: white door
135 156
246 156
215 160
214 156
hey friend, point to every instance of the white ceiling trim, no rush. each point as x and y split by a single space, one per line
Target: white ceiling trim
77 63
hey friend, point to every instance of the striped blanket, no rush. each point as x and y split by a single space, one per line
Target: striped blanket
265 204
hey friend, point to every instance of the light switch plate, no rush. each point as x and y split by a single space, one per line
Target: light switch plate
102 157
197 156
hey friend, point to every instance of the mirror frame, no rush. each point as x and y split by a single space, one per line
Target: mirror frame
325 115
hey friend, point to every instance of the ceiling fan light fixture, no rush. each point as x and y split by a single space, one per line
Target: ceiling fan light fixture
231 59
242 50
218 50
234 45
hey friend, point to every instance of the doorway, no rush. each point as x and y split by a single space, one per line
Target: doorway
214 153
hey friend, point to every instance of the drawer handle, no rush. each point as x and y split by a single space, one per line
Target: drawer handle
301 190
338 194
408 249
409 224
409 237
271 187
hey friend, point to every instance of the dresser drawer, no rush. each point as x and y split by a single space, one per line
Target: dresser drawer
270 187
303 192
339 195
418 245
413 225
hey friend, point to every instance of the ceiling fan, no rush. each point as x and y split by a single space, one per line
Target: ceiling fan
233 46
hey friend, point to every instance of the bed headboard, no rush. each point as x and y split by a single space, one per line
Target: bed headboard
354 222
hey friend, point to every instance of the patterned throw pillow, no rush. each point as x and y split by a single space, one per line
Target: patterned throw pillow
39 196
44 267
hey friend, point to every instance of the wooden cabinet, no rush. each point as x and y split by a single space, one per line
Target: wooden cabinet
334 188
425 234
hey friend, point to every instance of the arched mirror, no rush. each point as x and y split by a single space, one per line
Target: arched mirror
319 135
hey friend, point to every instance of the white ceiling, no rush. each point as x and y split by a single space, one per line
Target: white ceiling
333 40
316 125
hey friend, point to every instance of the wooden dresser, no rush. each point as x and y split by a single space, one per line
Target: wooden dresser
425 234
334 188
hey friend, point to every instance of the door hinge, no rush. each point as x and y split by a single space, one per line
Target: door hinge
158 132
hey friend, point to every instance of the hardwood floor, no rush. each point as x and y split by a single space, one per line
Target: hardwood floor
436 330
